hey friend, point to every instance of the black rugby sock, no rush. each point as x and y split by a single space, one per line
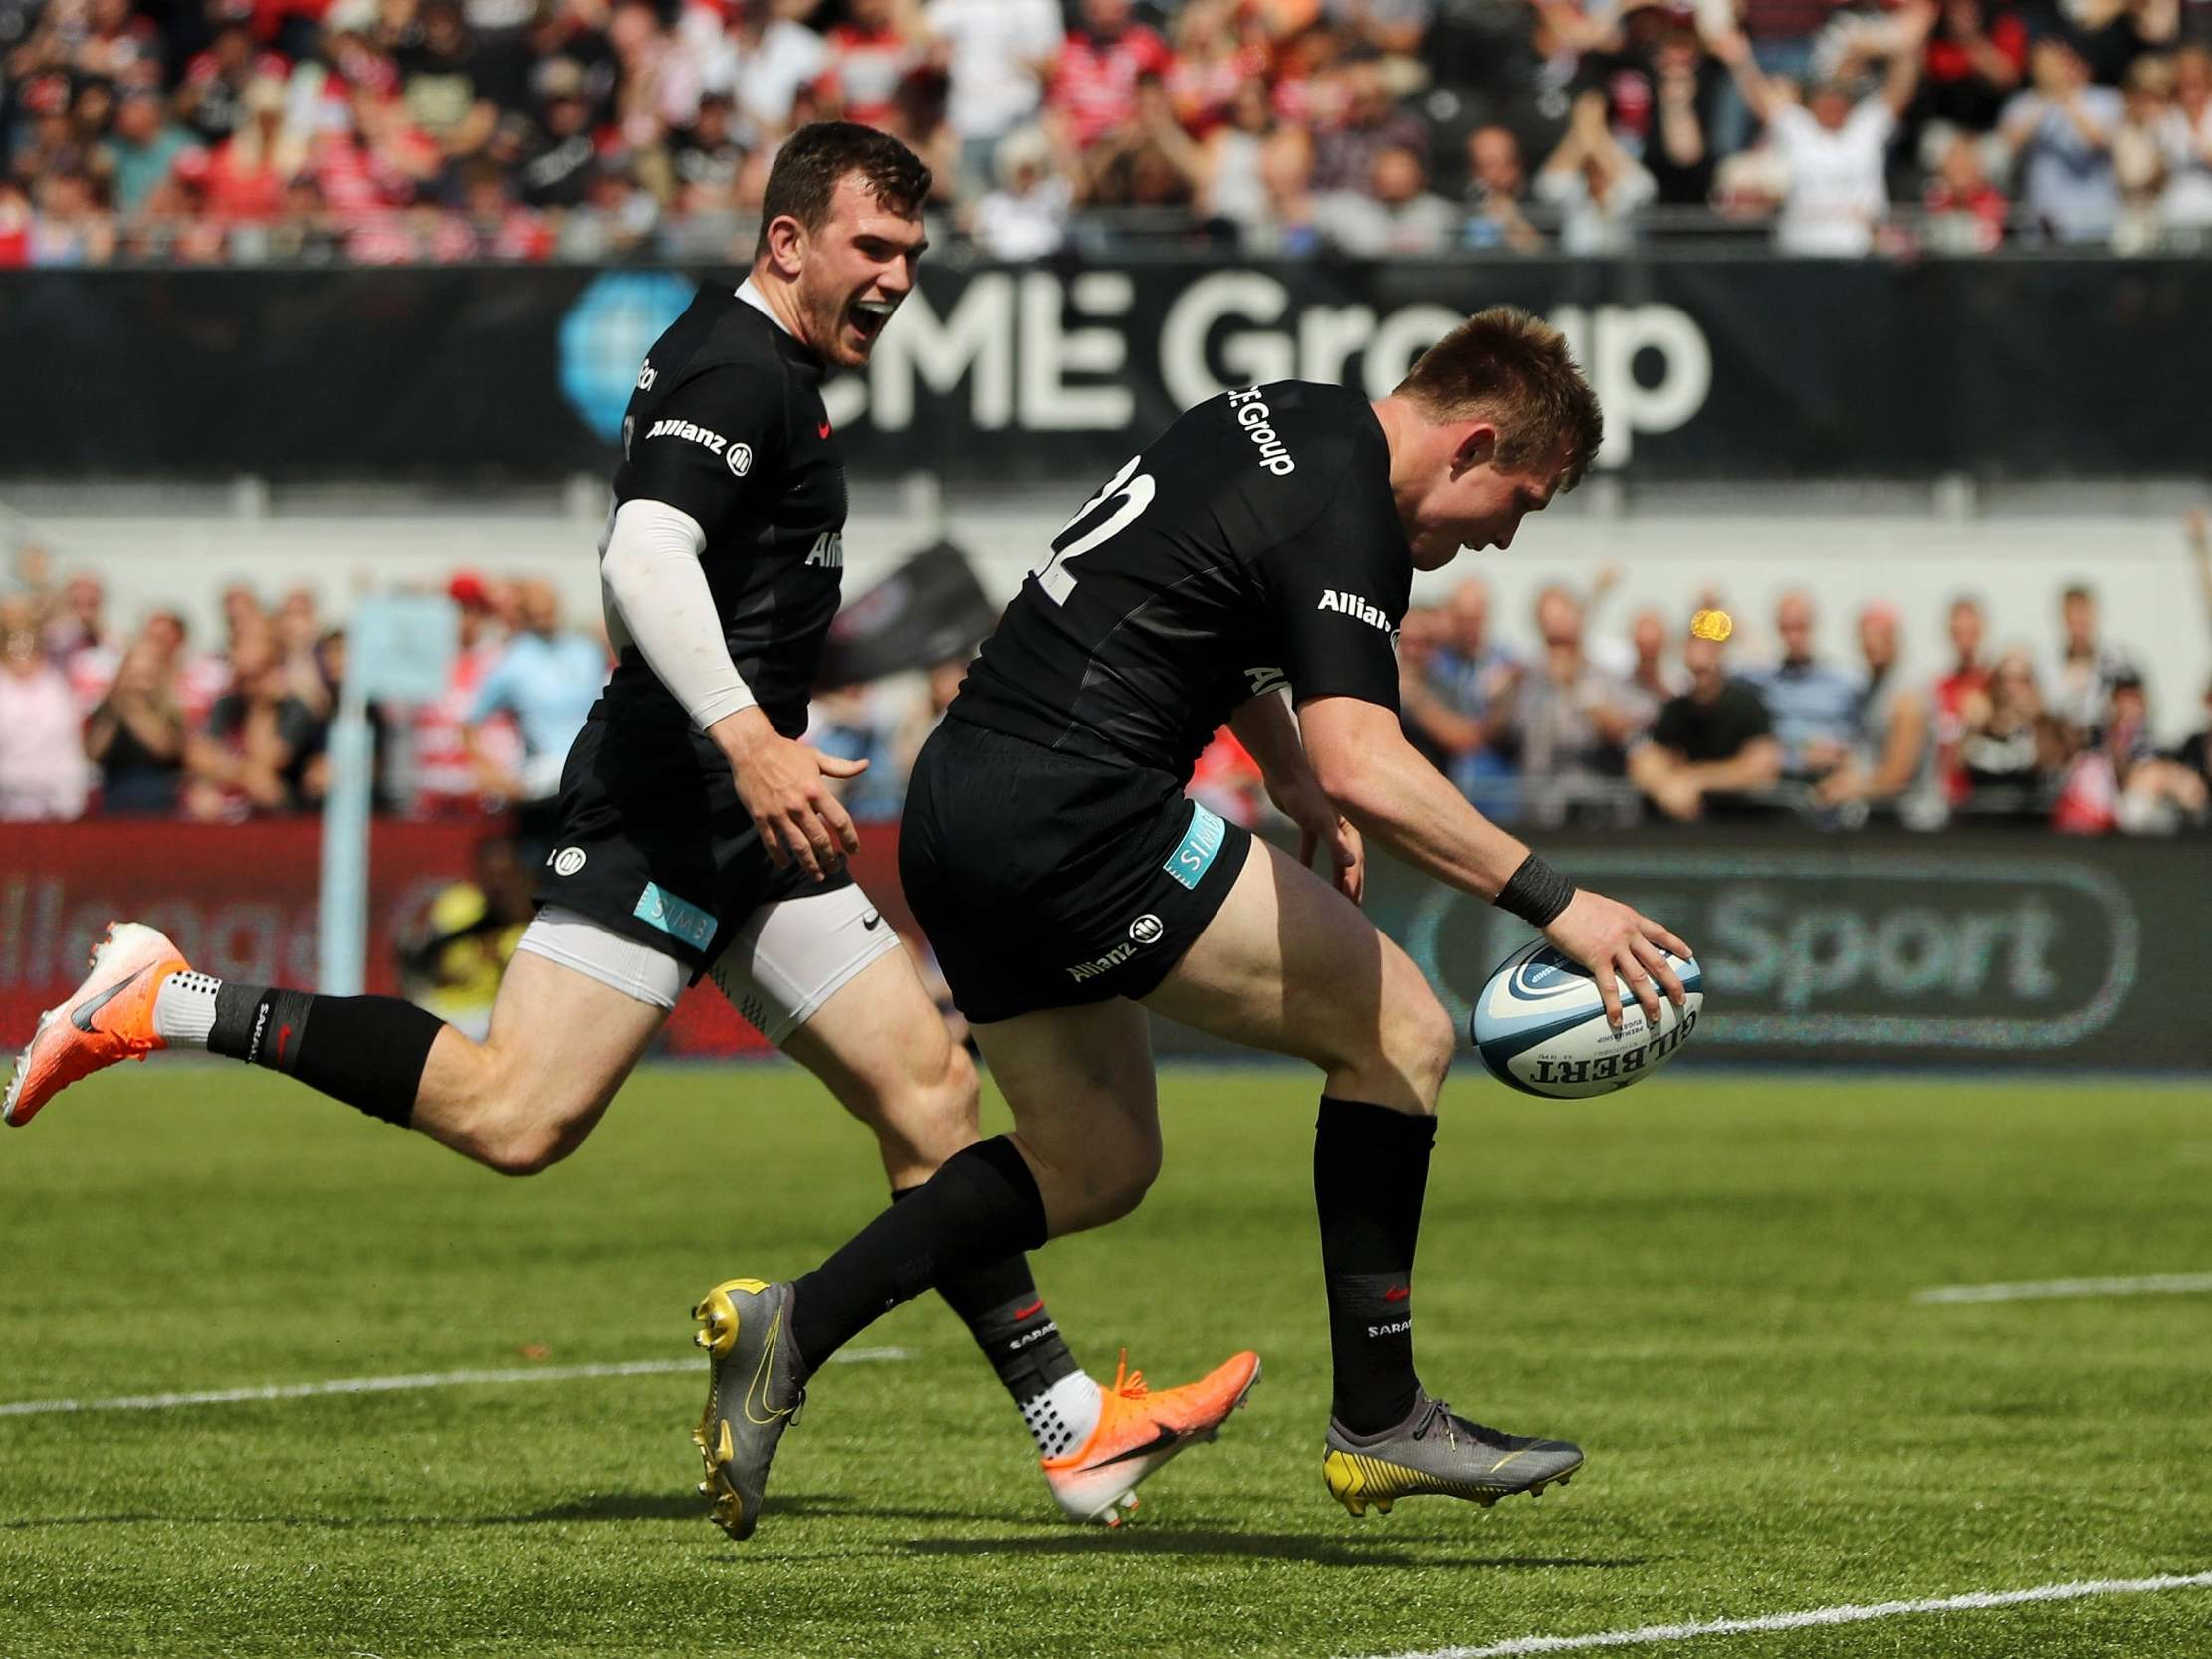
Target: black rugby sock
368 1051
999 1304
1369 1171
979 1208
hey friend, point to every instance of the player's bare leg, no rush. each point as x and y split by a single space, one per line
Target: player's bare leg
880 1045
1291 965
561 1046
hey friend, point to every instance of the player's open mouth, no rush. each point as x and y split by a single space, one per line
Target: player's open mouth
869 316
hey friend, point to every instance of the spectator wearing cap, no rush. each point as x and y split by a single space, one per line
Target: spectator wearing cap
1815 707
2060 132
1712 748
42 771
996 53
453 770
556 171
1894 760
1836 148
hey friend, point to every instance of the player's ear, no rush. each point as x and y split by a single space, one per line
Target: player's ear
786 239
1477 446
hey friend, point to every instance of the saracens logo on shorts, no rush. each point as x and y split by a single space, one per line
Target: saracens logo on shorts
568 861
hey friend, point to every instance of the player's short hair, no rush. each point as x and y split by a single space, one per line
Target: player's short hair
1511 368
819 155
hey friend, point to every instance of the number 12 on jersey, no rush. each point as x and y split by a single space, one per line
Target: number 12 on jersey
1130 496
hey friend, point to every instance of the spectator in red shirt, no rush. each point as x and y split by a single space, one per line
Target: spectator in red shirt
1975 59
1094 81
247 175
872 52
1966 212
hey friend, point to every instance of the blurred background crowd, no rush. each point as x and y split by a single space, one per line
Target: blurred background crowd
1581 713
462 131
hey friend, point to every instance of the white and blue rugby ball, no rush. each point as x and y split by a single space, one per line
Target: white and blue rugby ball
1540 1026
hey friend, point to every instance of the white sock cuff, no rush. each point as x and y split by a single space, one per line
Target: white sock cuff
1064 1416
184 1008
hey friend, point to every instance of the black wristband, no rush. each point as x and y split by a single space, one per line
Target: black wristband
1536 892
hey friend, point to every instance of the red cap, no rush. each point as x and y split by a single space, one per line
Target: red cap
467 588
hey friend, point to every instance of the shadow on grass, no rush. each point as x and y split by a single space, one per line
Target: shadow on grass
1304 1548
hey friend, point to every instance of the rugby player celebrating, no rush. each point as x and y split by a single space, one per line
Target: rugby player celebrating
698 835
1264 543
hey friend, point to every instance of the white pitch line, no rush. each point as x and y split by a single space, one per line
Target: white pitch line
1979 1601
2035 1290
400 1385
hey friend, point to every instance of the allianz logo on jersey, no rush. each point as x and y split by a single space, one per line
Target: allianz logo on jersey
828 551
1252 416
738 456
1352 605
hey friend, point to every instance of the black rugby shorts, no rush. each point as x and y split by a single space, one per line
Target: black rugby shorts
1050 881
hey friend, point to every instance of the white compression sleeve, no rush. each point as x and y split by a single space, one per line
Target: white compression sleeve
651 567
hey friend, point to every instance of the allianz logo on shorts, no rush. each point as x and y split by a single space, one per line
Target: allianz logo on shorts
677 918
568 861
1146 929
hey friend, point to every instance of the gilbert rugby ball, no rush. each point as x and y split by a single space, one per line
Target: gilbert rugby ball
1540 1026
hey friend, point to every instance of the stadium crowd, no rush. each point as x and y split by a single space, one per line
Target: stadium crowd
454 130
1577 720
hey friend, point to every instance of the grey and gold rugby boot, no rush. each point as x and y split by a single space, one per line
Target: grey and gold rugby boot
1437 1451
755 1387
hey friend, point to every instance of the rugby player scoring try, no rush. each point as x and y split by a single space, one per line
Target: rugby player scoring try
1256 558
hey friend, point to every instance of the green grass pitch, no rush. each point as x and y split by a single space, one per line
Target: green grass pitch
1707 1283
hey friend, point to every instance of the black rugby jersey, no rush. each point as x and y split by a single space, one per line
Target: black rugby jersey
1253 543
727 424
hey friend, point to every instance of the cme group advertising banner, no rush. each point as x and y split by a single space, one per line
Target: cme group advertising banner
1744 367
1999 952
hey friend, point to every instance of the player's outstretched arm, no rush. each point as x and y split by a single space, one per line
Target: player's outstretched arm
1383 785
1270 733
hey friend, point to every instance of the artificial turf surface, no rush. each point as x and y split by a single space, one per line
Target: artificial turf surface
1706 1281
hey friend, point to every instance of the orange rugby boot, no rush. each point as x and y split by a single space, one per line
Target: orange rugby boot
1138 1432
109 1017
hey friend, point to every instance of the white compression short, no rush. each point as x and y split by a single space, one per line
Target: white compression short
789 958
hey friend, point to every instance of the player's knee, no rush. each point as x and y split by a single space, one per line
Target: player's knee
527 1149
1419 1041
1122 1185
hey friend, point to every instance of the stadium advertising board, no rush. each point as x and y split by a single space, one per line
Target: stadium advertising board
1974 948
1709 367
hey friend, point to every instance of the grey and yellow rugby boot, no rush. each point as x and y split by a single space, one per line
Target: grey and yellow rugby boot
755 1387
1437 1451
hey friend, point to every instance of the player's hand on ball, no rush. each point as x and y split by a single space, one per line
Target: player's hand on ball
1610 939
1322 828
784 787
